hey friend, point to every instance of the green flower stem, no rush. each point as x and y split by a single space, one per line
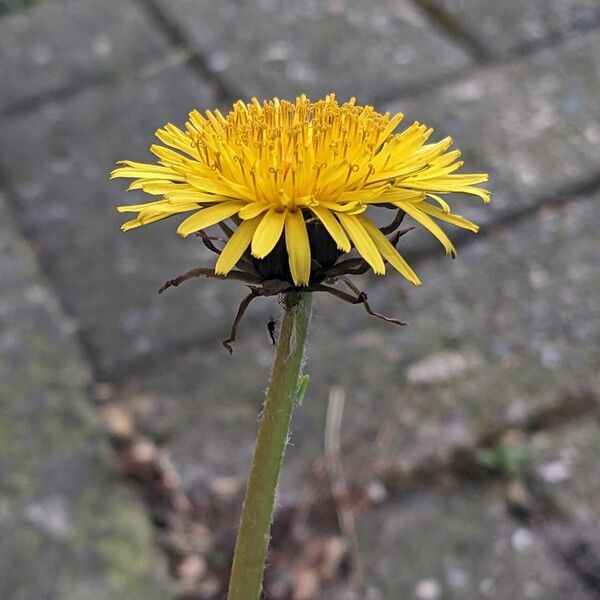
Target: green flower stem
255 525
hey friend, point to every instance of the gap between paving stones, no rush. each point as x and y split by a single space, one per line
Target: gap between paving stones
437 17
444 21
9 7
86 348
182 54
177 57
512 27
450 24
192 524
529 499
480 66
223 91
56 49
284 49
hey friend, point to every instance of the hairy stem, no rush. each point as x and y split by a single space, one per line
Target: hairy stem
255 525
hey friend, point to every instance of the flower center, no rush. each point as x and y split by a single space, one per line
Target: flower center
323 251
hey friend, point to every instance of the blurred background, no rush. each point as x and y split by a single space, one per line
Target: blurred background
467 461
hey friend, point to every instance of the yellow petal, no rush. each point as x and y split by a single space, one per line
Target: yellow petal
451 218
156 187
348 207
443 204
392 124
402 195
298 247
335 230
267 234
236 246
208 216
363 242
162 204
388 251
197 197
253 210
363 195
464 184
152 212
421 217
133 224
145 218
143 170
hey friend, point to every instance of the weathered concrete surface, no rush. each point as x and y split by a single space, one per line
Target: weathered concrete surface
107 278
504 329
534 125
283 48
484 346
58 160
457 547
513 26
69 530
60 45
10 6
567 462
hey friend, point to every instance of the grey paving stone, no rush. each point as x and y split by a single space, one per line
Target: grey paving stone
282 48
457 546
61 45
511 26
57 160
566 460
69 530
492 336
534 125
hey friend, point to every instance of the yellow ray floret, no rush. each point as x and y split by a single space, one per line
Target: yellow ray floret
273 166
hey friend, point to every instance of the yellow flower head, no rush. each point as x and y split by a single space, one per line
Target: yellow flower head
283 170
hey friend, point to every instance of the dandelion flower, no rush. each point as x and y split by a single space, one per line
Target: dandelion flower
296 180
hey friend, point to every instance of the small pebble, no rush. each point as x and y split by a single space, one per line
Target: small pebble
428 589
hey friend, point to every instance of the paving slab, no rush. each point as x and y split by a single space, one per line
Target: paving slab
69 529
513 26
283 48
57 174
58 46
567 462
492 337
534 125
457 546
